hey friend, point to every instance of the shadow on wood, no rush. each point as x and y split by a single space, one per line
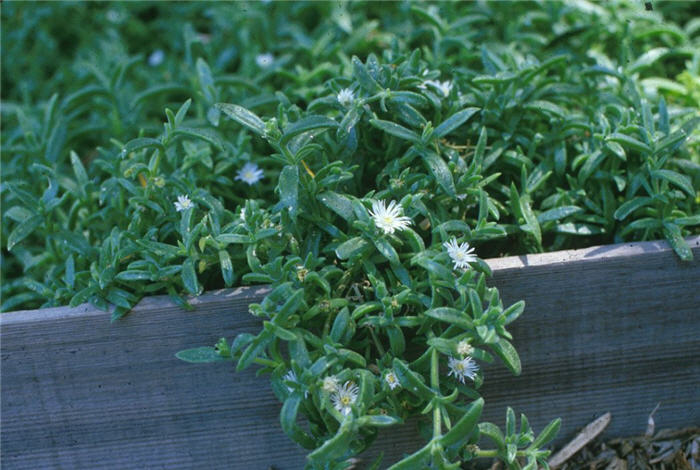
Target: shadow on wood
605 329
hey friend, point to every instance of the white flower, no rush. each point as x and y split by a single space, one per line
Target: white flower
389 218
250 173
264 60
156 58
345 96
444 87
183 203
462 368
302 272
345 397
290 376
460 253
330 384
464 348
391 380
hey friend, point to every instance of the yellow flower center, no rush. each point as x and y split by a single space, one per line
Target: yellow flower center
345 400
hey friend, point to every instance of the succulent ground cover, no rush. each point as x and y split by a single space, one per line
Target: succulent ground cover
586 118
360 158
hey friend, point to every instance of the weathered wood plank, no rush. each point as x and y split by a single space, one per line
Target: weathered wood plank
605 329
610 328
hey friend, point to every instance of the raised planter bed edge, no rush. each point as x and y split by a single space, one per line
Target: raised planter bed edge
612 328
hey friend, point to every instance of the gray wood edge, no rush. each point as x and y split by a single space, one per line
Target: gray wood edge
595 253
595 338
146 304
591 254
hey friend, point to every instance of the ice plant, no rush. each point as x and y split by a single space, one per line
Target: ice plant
183 203
389 218
264 60
156 58
345 397
345 96
460 253
464 348
391 380
337 132
330 384
250 173
290 376
462 369
443 87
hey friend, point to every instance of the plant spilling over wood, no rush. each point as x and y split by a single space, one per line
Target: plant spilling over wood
360 160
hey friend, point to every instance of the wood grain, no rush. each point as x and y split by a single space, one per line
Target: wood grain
610 328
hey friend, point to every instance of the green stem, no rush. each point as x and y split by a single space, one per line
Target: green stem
435 384
486 453
493 453
156 165
382 353
373 98
265 362
287 154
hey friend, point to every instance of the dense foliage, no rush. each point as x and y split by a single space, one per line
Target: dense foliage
513 127
589 115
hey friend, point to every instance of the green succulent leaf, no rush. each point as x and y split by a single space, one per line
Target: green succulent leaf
464 426
396 130
547 434
411 381
454 121
451 316
243 117
508 355
23 230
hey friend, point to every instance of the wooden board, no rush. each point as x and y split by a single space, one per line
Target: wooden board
610 328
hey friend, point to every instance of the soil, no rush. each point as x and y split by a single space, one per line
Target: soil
668 449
